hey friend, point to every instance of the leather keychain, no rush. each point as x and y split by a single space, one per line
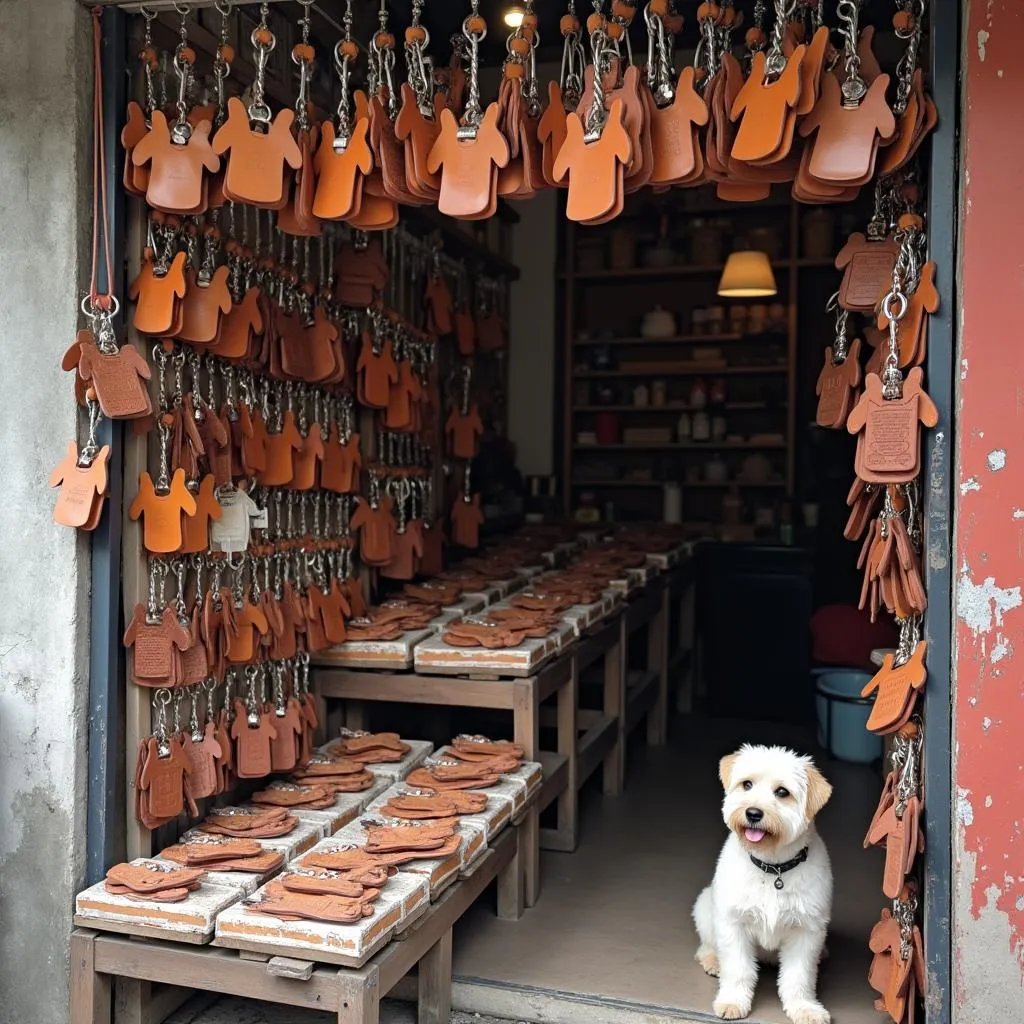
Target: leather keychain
258 146
840 375
563 97
466 516
897 683
470 151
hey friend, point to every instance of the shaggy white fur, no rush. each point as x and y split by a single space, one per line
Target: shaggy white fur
771 797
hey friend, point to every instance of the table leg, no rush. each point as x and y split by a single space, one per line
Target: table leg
434 982
614 769
511 890
90 992
567 807
526 733
657 661
358 996
529 836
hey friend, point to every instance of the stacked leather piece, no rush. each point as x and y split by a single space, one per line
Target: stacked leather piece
249 823
152 883
333 775
370 748
222 853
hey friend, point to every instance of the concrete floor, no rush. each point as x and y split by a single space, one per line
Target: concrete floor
611 940
613 922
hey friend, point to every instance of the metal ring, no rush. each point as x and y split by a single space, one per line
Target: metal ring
886 306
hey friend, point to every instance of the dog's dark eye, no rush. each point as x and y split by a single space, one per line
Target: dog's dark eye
747 784
782 792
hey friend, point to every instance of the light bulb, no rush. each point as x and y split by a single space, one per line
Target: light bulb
514 17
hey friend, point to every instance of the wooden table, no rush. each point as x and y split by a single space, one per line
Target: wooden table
522 696
352 994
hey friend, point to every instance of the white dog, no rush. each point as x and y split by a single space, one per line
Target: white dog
772 891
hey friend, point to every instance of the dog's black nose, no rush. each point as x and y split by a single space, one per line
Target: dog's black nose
754 815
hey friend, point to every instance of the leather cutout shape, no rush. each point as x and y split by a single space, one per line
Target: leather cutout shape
157 298
889 451
252 744
673 136
256 163
297 218
239 326
195 666
307 353
405 392
867 272
216 437
82 489
595 170
135 179
418 134
161 513
464 431
250 626
339 470
836 385
196 527
440 309
469 168
490 331
71 360
118 378
635 119
376 374
203 757
340 173
176 183
163 779
466 521
307 459
894 689
156 647
764 110
390 154
551 131
203 306
376 527
376 213
812 69
844 147
284 748
280 450
465 331
251 431
406 550
432 553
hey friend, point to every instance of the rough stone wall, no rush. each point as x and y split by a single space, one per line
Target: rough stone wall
45 88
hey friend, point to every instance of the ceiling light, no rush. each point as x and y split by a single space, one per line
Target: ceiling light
747 275
514 17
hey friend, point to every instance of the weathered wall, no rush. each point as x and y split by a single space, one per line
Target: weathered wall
988 882
45 85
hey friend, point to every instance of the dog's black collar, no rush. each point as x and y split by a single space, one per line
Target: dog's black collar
778 870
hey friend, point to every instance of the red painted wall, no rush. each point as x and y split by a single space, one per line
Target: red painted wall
988 882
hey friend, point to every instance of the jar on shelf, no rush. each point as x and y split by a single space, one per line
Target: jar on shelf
684 428
718 428
716 320
698 322
757 318
737 319
659 393
817 234
640 395
716 395
701 426
698 394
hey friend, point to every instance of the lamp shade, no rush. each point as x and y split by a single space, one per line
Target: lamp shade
747 275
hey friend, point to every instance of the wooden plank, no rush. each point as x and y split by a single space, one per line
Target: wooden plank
434 983
526 722
289 967
414 688
91 993
554 678
657 661
594 748
614 707
556 778
590 648
210 969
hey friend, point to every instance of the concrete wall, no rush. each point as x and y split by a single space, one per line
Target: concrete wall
988 854
45 88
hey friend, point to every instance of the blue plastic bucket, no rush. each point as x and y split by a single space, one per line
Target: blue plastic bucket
843 715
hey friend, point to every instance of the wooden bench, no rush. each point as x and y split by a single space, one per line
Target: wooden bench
353 993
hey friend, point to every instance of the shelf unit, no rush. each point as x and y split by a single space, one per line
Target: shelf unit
602 309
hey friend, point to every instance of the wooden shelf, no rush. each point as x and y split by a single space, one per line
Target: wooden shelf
598 485
674 407
722 371
689 446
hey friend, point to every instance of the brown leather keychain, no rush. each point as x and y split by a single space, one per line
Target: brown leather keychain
674 138
118 376
82 478
896 688
467 518
765 109
157 292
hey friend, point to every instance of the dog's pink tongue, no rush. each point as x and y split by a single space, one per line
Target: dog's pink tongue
753 835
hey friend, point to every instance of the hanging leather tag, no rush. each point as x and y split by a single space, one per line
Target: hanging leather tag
896 688
164 779
340 171
82 488
156 647
867 272
176 183
157 297
161 513
252 743
765 110
256 162
469 167
376 527
889 451
835 388
118 378
466 520
203 757
203 307
281 449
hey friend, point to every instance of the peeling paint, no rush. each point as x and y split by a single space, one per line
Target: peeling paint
988 801
963 369
982 41
970 484
986 723
1000 649
980 606
1018 513
964 810
996 459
